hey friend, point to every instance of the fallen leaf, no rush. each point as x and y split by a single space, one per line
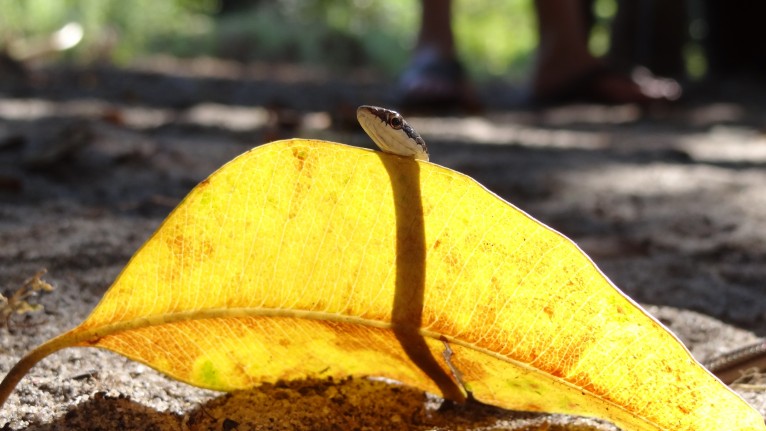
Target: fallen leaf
307 259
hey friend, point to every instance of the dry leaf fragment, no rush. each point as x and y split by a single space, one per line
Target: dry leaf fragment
18 302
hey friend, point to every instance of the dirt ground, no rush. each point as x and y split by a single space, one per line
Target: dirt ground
670 202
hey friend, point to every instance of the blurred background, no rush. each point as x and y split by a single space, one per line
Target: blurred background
339 35
496 38
703 44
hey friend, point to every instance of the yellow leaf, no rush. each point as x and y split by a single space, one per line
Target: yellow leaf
305 259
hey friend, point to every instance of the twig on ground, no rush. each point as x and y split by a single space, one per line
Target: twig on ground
18 302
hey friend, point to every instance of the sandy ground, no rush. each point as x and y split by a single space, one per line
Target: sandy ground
669 202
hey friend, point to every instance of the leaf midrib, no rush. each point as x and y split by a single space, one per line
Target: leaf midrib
214 313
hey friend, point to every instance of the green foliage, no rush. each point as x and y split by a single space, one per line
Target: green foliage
599 38
696 62
494 37
117 30
329 32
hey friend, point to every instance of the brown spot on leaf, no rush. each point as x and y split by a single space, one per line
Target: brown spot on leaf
300 154
190 251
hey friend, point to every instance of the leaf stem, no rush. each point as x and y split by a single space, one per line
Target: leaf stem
29 360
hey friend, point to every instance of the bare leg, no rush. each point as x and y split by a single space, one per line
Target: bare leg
563 61
435 36
562 52
435 80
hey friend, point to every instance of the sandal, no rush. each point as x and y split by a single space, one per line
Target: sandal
604 85
436 84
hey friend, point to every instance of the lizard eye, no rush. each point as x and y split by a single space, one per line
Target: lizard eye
396 122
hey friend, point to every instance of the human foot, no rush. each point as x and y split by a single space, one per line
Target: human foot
600 84
436 82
